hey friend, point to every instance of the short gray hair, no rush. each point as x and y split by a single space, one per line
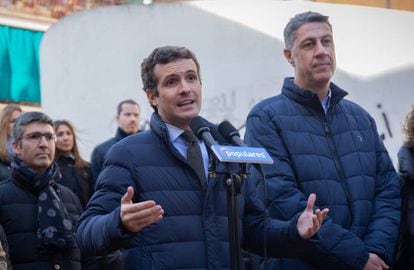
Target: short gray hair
26 118
296 22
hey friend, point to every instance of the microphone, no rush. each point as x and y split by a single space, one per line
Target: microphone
232 135
199 127
225 153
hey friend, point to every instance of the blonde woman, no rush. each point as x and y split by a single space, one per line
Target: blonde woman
7 118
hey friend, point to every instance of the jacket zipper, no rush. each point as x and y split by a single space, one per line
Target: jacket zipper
338 166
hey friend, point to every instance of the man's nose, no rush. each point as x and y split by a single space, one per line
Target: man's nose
321 49
185 86
43 141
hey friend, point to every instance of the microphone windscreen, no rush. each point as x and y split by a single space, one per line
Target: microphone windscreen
227 130
199 125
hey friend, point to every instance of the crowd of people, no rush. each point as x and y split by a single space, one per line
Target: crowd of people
333 199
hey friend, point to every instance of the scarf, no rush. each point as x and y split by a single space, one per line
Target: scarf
55 226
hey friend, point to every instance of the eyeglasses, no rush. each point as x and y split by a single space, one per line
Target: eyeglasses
36 137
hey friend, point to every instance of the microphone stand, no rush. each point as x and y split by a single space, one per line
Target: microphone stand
232 183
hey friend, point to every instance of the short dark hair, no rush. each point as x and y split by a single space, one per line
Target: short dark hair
127 101
26 118
297 21
163 55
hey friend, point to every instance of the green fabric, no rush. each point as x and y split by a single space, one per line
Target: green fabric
19 65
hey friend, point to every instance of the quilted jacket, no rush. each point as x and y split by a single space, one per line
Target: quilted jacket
193 234
340 157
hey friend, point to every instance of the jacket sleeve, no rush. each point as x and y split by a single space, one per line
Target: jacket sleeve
100 230
259 230
382 232
333 247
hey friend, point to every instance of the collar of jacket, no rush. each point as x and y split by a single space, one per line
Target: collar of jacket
120 134
309 98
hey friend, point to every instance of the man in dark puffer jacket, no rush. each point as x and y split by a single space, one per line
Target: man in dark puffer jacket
38 215
151 202
324 144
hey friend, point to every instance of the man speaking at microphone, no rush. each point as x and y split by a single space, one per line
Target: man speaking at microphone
154 201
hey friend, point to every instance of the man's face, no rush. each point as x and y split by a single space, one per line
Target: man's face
179 92
128 119
312 55
36 151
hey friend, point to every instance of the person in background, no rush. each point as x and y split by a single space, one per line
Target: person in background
166 212
76 172
76 175
405 251
128 119
7 117
325 144
37 214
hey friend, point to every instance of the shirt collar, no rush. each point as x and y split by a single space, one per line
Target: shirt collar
327 100
173 132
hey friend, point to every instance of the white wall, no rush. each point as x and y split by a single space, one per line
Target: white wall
90 60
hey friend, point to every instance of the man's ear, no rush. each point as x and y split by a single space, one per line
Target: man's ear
152 99
16 148
288 56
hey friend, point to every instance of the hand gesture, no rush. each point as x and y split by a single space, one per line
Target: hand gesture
310 222
375 263
136 216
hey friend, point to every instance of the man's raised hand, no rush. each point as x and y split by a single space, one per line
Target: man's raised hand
136 216
309 221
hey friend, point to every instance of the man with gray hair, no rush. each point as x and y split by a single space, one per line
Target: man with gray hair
38 215
324 144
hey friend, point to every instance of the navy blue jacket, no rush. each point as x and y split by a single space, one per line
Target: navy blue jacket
340 157
193 233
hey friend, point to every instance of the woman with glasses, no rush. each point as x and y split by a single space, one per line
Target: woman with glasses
76 172
7 117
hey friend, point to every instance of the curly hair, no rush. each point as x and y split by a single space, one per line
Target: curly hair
408 128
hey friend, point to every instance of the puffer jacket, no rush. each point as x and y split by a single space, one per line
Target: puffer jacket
18 216
404 258
340 157
193 233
